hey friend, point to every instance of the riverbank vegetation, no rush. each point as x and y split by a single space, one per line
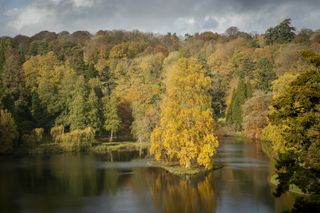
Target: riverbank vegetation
178 91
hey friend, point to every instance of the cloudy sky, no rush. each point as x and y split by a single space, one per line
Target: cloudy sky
159 16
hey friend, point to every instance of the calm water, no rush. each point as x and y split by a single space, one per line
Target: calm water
88 183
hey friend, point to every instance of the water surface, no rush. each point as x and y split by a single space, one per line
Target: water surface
90 183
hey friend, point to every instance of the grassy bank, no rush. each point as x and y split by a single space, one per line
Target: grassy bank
176 169
97 147
106 147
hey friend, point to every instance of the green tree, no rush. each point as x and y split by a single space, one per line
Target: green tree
90 71
78 106
243 65
217 93
112 120
4 44
264 74
93 111
304 36
298 113
39 112
185 132
239 96
282 33
8 131
15 96
232 32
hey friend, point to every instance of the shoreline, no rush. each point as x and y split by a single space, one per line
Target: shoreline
292 188
176 169
96 148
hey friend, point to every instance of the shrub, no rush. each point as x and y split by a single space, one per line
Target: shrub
56 133
76 140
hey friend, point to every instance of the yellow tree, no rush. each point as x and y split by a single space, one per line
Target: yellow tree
185 132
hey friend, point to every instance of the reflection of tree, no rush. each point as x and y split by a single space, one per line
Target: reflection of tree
175 194
111 179
9 189
76 175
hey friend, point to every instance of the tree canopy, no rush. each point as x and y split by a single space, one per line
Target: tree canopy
185 132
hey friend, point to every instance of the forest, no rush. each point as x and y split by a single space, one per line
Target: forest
76 89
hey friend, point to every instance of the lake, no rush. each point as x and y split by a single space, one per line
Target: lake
90 183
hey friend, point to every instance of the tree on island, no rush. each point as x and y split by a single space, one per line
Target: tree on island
185 132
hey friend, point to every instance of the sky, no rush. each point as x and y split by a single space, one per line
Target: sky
28 17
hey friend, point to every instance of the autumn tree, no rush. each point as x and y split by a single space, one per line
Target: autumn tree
43 75
143 90
297 111
8 131
232 32
185 132
255 111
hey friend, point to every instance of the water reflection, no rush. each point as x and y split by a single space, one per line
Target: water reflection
174 194
88 183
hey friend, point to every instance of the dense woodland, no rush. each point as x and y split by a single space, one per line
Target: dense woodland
75 88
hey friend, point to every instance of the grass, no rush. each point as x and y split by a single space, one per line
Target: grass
176 169
118 146
97 147
292 188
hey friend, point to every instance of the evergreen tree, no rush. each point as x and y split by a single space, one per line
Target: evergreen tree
245 67
282 33
239 96
78 106
3 47
264 75
93 113
90 71
39 113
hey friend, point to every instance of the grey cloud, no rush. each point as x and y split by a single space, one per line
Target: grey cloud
161 16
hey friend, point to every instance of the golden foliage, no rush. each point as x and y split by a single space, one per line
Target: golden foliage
185 132
56 133
38 133
273 134
281 85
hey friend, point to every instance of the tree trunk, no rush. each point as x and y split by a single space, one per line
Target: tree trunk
111 135
140 148
188 164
